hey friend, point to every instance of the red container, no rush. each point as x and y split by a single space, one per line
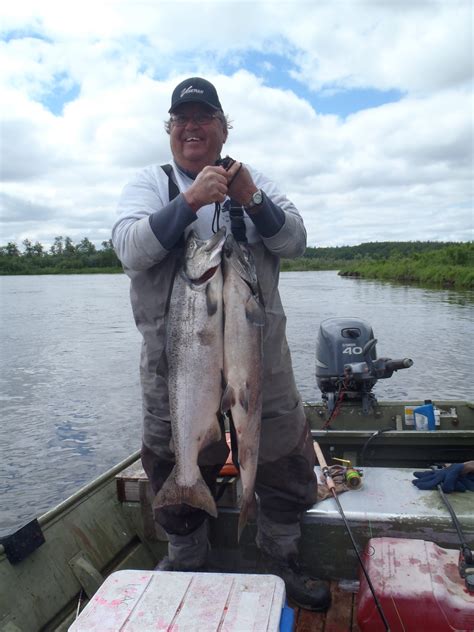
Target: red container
418 586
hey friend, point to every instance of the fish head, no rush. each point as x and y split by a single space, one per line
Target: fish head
203 257
239 257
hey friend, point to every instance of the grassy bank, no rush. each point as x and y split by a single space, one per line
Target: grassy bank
452 266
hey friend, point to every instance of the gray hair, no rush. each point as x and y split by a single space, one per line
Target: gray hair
223 118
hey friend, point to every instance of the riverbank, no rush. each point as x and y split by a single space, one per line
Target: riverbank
459 277
452 266
407 272
428 263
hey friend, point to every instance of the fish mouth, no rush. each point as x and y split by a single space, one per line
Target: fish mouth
216 243
206 276
214 250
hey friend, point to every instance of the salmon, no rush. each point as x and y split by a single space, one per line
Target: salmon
243 364
194 355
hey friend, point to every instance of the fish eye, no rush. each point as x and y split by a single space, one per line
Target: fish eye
191 248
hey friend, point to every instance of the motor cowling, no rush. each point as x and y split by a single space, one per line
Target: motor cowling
347 363
341 341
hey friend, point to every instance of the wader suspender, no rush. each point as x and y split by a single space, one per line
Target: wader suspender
173 190
237 223
236 212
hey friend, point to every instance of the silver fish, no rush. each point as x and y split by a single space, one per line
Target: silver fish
194 352
243 363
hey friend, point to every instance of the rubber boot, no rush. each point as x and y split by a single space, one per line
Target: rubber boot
186 552
278 544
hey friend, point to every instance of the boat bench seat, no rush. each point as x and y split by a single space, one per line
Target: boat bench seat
133 486
387 504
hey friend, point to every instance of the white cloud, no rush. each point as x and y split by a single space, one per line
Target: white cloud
399 171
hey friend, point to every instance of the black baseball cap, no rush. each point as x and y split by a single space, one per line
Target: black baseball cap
196 90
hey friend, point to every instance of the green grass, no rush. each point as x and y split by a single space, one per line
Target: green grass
452 266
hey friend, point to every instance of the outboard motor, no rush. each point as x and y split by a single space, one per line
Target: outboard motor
347 367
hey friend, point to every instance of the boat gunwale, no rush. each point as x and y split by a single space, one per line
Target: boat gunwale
58 511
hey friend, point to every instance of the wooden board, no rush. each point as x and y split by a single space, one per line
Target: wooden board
129 481
341 616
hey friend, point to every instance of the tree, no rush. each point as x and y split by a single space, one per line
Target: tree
69 247
107 245
58 246
38 250
86 247
12 249
28 246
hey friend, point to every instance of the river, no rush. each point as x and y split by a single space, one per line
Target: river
69 368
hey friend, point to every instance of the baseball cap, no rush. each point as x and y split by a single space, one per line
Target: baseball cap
197 90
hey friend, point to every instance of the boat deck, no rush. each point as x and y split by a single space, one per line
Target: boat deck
341 617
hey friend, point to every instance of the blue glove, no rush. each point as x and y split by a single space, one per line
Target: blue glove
450 479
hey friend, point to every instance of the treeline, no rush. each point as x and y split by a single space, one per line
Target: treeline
375 250
427 262
63 257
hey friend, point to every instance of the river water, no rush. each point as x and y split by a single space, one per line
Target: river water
69 368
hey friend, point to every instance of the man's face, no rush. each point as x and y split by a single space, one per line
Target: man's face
195 145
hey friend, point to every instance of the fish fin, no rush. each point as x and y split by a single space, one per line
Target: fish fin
198 496
244 398
228 399
211 300
254 311
214 433
248 513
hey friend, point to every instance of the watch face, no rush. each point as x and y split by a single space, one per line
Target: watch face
257 197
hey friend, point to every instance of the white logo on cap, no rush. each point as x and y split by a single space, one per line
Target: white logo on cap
190 90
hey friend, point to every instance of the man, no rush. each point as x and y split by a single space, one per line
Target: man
156 210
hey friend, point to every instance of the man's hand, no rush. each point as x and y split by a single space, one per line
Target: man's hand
209 186
452 479
240 183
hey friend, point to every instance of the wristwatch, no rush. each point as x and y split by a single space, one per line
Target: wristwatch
256 200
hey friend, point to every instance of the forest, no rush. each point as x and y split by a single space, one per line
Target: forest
63 257
447 264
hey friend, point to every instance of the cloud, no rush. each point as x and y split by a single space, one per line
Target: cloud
86 88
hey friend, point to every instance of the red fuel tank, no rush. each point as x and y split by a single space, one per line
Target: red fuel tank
418 586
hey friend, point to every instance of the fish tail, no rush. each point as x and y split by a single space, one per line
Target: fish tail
197 496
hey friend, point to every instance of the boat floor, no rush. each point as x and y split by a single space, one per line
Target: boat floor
341 616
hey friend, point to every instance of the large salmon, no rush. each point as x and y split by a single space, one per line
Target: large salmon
243 363
194 352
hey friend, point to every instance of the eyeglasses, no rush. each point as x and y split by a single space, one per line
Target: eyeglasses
202 118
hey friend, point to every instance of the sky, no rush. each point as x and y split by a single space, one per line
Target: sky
360 110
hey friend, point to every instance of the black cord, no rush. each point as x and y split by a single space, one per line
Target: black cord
215 219
372 436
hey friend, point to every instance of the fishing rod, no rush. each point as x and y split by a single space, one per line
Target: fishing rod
466 556
332 488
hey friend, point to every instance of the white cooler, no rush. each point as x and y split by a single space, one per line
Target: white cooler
142 601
